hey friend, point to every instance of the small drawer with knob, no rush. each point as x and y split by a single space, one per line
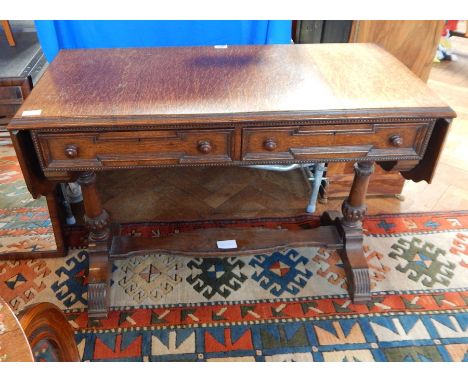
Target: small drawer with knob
121 148
396 140
375 141
71 151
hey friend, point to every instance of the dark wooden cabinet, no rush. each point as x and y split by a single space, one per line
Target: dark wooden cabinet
321 31
13 92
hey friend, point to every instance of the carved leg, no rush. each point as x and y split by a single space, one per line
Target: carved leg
350 225
97 220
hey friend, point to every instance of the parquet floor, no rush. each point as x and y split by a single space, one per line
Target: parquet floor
203 193
188 194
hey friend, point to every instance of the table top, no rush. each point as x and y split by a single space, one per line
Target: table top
14 346
225 84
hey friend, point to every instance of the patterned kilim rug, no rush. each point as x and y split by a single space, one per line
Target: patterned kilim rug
288 305
24 222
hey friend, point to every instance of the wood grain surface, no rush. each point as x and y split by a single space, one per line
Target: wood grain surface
240 82
45 322
249 241
14 345
364 105
413 42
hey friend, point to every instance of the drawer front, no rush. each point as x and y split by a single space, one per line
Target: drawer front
117 149
336 142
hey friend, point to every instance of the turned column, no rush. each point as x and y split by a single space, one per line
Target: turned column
354 209
98 221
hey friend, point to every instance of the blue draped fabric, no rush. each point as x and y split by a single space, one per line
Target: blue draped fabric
72 34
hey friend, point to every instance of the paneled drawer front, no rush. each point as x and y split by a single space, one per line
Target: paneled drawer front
114 149
373 141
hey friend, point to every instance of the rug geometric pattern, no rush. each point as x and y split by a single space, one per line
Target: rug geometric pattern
25 224
288 305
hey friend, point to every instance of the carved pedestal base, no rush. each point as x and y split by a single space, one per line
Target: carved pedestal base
356 268
97 220
99 279
352 255
347 235
349 226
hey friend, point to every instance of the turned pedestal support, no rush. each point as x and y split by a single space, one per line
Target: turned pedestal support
97 221
346 234
350 228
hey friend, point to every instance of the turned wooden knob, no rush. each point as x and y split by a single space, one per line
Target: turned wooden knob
269 144
396 140
71 151
204 147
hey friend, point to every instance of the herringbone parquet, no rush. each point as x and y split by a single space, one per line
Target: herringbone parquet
203 193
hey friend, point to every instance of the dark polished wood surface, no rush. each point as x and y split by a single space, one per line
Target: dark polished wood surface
20 335
137 108
45 322
239 82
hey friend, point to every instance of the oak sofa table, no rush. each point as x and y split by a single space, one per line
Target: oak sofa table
113 109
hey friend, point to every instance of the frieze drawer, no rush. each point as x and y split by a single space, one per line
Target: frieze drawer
120 149
372 141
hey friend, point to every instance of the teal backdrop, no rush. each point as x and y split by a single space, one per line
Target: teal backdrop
74 34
